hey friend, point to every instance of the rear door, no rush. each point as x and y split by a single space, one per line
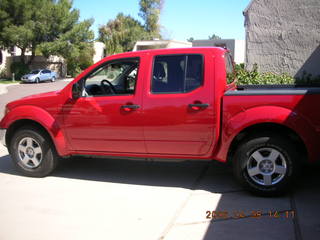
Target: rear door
178 106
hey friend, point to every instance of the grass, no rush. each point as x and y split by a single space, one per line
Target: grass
7 81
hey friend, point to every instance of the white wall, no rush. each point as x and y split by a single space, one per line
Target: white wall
155 44
176 44
239 51
236 47
98 51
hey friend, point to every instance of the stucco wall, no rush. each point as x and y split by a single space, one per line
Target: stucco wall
283 36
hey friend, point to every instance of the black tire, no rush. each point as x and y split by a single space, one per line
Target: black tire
53 79
262 157
48 158
37 80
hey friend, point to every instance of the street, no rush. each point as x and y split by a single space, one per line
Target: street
122 199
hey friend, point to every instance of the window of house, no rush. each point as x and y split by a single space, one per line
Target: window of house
177 73
229 68
113 78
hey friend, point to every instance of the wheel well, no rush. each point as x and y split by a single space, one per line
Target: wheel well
269 127
23 124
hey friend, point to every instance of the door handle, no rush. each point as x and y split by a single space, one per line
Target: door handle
198 106
130 107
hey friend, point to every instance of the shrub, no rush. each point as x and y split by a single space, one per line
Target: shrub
19 69
308 79
246 77
254 77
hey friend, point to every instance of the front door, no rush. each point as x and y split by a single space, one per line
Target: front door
178 107
107 118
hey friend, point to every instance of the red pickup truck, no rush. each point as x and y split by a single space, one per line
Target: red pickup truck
169 103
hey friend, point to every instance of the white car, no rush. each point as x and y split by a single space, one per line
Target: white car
39 75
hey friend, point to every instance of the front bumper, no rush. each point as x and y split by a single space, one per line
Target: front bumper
27 80
3 136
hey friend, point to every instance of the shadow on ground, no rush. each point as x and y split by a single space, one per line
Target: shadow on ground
210 176
221 194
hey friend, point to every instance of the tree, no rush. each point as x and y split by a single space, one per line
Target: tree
45 25
121 33
190 39
214 37
76 46
150 13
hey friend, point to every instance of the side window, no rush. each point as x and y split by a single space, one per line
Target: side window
229 68
115 78
177 73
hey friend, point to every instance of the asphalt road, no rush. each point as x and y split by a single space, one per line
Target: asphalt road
25 89
145 200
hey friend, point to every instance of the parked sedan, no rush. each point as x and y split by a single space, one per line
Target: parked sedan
39 75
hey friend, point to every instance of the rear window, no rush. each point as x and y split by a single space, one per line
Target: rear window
177 73
229 68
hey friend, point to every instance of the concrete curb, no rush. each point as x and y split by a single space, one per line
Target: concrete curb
3 87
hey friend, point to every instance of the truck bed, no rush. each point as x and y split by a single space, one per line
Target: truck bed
246 90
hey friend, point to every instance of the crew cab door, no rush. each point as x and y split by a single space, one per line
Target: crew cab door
108 115
178 106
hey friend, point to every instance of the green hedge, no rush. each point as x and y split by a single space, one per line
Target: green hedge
19 69
246 77
254 77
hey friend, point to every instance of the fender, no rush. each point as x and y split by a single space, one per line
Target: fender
42 117
267 114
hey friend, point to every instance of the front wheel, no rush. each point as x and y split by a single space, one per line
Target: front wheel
37 80
32 152
53 79
266 164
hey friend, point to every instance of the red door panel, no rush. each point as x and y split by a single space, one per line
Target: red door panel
102 124
172 125
108 118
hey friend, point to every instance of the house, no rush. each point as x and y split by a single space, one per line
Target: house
55 63
236 47
283 36
5 59
155 44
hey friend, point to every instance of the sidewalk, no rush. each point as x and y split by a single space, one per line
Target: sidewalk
3 87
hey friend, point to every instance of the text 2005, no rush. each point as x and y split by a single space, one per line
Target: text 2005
252 214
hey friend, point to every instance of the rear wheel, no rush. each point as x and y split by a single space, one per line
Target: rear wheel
266 164
53 79
32 152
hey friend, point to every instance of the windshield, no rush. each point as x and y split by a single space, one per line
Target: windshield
34 72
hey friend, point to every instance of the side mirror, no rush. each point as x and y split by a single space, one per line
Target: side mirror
76 90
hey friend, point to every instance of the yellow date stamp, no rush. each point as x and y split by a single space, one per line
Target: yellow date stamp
249 214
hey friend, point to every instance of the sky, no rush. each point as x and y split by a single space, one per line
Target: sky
179 19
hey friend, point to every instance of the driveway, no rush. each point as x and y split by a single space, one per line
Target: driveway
122 199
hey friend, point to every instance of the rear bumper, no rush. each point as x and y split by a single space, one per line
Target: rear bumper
3 136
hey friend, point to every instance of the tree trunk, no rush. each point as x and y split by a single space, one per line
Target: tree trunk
33 54
23 56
